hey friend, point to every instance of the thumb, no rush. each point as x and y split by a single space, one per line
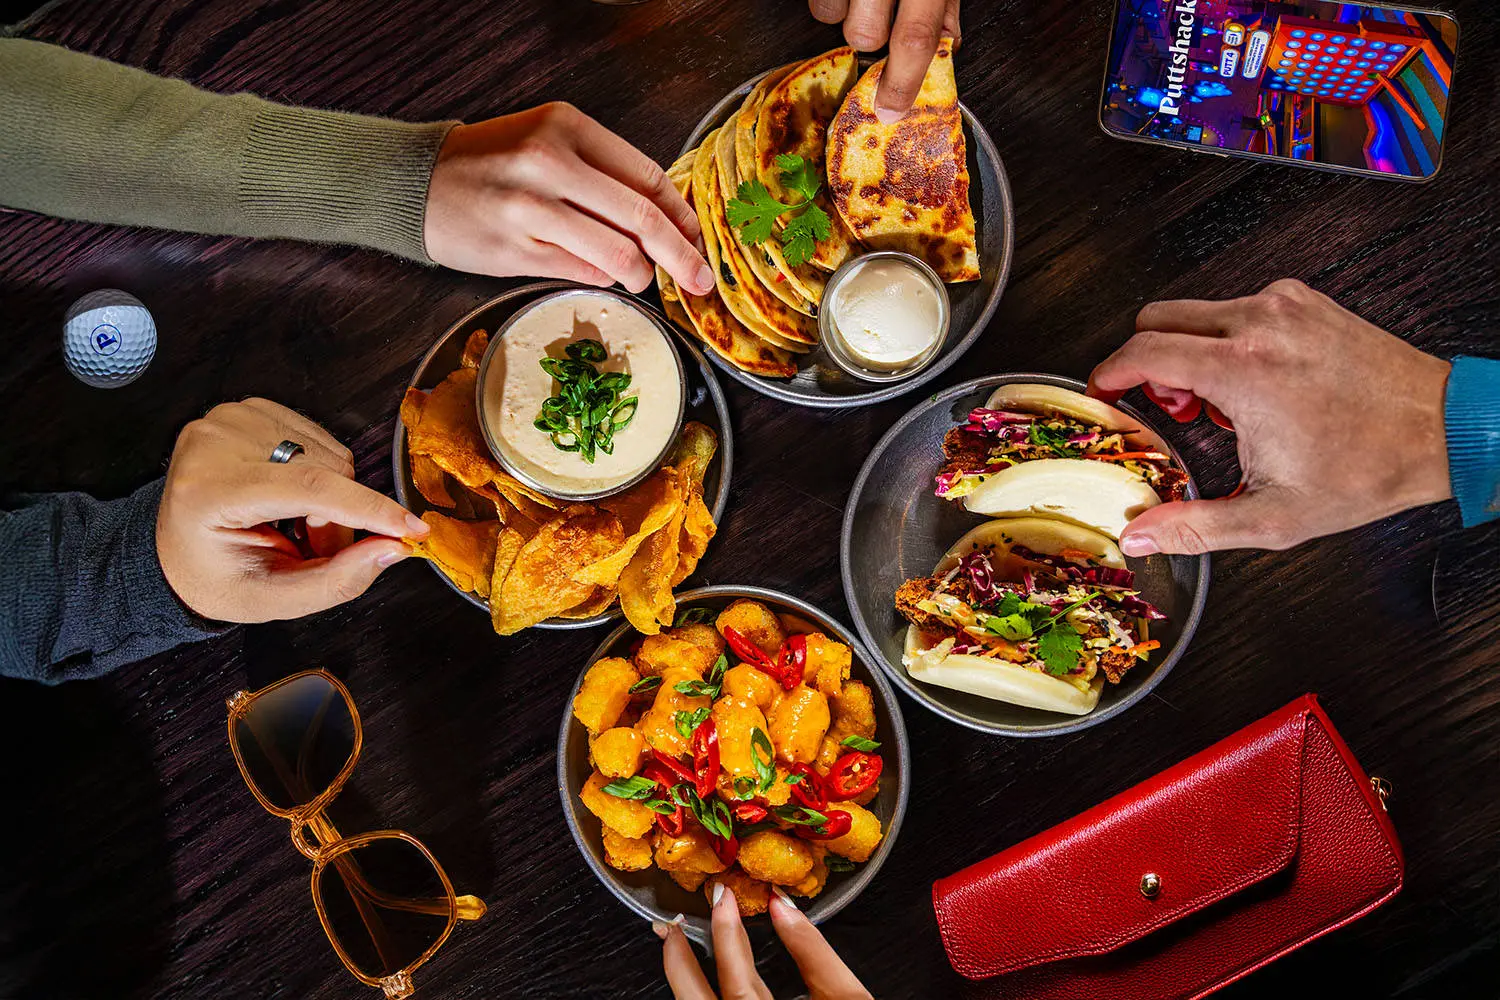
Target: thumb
1253 520
319 584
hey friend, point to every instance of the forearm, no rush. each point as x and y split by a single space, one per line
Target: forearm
84 138
81 591
1473 428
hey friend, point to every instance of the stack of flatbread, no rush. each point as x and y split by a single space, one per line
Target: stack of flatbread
899 187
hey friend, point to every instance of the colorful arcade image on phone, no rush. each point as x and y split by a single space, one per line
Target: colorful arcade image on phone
1334 84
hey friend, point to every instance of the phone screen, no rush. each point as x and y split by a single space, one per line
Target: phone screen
1343 86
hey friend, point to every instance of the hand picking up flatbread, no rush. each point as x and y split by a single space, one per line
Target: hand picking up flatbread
905 186
533 557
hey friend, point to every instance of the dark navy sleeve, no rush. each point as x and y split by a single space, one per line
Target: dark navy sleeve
81 590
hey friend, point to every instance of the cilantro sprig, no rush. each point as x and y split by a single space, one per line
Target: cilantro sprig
1058 644
754 211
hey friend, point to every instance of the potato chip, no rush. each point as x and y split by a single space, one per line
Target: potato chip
474 348
463 550
698 530
510 487
540 583
507 546
595 605
643 510
694 451
429 481
447 430
646 584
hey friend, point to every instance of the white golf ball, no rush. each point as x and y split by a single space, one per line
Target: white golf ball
109 338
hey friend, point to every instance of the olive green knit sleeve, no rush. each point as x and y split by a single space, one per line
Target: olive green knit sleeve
83 138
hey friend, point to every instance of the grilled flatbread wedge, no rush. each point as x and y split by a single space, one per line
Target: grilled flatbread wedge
751 303
794 120
906 186
708 318
807 281
761 265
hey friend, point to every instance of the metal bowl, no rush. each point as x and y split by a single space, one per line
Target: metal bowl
822 383
895 529
482 382
652 894
837 348
705 403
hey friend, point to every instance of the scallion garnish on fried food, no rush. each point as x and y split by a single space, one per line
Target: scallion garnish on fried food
589 407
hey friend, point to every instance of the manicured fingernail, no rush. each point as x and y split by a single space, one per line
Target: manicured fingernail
661 929
781 894
718 892
391 558
705 278
888 116
416 525
1138 545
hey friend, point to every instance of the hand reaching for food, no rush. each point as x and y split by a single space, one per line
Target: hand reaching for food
215 530
824 973
1339 423
913 35
550 192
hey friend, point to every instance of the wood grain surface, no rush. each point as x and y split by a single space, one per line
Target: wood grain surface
135 863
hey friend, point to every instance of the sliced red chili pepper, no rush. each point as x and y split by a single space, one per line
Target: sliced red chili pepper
852 775
705 758
809 791
838 824
672 825
727 849
750 812
791 662
748 651
674 767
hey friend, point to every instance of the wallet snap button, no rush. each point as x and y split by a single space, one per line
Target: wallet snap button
1150 885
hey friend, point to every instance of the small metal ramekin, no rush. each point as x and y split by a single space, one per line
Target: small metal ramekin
833 342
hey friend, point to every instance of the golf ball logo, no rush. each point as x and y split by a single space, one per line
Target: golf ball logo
106 339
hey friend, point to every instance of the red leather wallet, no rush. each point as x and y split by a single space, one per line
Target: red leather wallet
1186 882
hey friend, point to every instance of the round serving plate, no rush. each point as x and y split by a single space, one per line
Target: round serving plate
896 529
705 404
651 893
820 382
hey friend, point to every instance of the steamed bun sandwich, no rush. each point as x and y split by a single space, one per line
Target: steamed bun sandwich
784 200
1028 611
1047 451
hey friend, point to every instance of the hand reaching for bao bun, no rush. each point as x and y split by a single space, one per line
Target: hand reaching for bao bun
550 192
1338 422
215 537
823 972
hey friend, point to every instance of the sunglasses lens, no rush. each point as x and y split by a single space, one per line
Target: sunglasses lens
295 740
385 905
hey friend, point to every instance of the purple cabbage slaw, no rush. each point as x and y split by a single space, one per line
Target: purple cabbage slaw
976 566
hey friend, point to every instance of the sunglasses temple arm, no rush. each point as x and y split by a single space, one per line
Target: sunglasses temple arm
470 907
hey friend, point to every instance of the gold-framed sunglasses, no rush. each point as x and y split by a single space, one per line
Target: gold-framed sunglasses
384 901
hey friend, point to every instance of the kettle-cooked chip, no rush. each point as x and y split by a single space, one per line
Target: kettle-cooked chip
540 584
429 481
646 584
474 348
644 509
463 550
447 430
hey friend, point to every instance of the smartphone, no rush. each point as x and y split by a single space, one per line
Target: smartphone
1352 88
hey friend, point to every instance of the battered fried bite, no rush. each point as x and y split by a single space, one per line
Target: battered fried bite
604 694
799 721
691 881
628 854
659 724
827 663
617 752
853 712
751 685
755 622
817 878
694 647
772 856
735 721
863 837
626 817
753 895
690 851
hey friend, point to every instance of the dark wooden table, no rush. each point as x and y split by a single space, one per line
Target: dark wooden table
137 864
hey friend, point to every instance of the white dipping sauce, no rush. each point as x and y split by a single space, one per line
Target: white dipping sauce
516 386
887 314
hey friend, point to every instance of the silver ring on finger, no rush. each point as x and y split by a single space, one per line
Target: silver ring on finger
286 451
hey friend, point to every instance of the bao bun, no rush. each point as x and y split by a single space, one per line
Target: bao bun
1098 495
929 661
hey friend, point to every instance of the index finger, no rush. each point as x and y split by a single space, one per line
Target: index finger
1171 360
272 492
612 155
738 979
824 973
1206 318
914 41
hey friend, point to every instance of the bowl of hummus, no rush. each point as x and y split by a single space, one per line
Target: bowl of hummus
581 394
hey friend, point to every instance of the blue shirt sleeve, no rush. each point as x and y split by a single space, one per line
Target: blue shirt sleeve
1473 421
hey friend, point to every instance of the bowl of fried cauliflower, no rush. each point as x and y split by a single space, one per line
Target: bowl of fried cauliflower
749 744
